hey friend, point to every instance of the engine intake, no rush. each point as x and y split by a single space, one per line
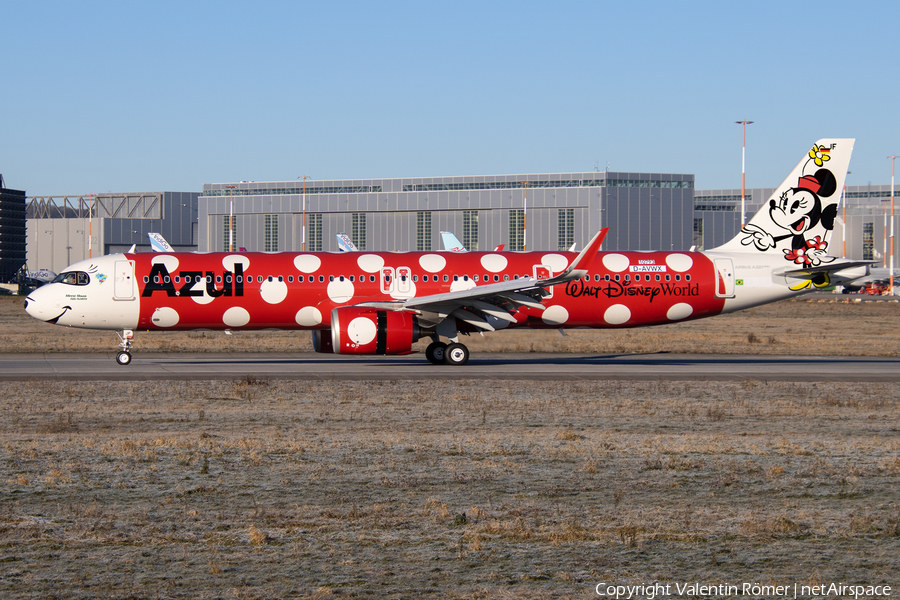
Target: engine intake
362 330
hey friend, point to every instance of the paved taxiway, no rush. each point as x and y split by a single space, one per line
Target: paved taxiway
534 366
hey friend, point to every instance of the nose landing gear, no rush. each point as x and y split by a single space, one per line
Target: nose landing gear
125 337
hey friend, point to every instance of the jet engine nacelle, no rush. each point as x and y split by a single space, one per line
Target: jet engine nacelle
321 340
361 330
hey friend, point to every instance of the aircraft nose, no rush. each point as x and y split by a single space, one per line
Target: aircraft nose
39 306
32 308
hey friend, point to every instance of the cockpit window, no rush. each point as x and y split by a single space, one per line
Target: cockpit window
73 278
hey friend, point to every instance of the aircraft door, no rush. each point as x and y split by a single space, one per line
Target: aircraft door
387 280
123 286
544 272
404 280
724 278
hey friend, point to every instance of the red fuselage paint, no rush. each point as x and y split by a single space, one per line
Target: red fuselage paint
298 291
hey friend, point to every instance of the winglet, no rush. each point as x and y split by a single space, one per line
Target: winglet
586 257
582 263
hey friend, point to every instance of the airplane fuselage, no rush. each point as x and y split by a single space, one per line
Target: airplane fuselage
184 291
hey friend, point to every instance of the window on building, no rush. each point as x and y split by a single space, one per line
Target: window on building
270 233
516 229
697 240
566 228
470 230
229 233
423 231
314 232
868 241
358 230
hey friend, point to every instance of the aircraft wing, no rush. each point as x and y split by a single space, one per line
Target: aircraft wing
500 299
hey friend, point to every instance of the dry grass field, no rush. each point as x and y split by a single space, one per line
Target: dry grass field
292 489
273 489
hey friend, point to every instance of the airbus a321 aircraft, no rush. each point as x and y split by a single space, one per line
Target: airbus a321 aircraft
383 302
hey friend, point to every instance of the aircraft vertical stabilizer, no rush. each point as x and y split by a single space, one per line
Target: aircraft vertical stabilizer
797 221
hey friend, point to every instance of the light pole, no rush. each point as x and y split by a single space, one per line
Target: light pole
90 227
231 221
525 220
743 172
893 159
303 237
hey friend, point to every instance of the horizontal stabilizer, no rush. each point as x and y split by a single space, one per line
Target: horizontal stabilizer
832 267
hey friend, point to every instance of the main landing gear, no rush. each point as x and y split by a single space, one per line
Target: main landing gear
439 353
125 337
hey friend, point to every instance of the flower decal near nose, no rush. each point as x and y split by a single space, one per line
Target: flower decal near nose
101 278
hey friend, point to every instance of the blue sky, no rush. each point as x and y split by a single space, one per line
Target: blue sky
149 96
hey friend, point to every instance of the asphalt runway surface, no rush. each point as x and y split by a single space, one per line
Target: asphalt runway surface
488 366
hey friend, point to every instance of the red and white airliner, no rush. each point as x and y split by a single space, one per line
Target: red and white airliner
383 302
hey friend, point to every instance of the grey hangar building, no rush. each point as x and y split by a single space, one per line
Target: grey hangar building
550 211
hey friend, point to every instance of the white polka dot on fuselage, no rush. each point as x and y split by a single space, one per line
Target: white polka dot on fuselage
557 262
236 316
273 291
370 263
307 263
679 311
679 262
617 314
232 259
461 284
308 316
555 315
340 291
164 317
615 262
433 263
494 262
170 262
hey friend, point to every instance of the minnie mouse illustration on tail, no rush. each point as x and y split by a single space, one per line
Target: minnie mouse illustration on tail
798 213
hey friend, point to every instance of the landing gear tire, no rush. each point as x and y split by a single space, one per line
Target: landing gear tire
123 358
457 354
436 353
